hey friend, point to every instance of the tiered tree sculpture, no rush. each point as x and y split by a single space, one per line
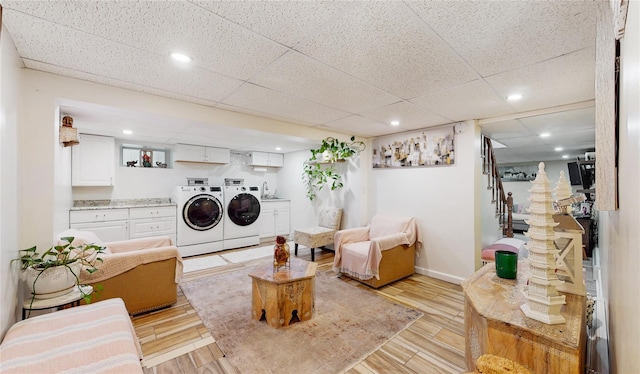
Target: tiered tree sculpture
563 191
543 302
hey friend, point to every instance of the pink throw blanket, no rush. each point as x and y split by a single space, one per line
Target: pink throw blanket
128 254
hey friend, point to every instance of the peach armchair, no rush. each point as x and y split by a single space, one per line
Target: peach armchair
380 253
144 272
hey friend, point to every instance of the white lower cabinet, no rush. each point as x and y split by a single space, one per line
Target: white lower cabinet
275 218
126 223
153 221
110 225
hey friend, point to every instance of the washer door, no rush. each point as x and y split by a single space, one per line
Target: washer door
244 209
202 212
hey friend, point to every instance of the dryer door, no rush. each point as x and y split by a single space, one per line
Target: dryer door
202 212
244 209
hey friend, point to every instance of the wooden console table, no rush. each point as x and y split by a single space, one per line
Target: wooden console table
495 324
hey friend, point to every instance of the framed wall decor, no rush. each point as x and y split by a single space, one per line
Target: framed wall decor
425 147
518 173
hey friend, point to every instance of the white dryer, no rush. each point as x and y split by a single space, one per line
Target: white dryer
242 209
200 219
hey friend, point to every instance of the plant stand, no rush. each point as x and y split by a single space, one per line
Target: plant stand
70 299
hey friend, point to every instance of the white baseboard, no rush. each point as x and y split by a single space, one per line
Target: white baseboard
438 275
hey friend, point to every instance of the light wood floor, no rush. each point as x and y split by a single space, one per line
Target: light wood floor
174 340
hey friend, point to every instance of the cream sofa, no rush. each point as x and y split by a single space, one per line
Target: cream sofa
144 272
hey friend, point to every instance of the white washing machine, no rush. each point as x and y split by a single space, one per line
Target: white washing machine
242 209
200 219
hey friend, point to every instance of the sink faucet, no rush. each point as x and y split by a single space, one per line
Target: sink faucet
265 189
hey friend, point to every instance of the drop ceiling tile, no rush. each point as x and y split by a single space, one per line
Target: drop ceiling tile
98 57
299 75
563 80
578 147
161 27
387 45
471 100
523 141
282 21
505 156
140 83
257 113
359 126
562 121
498 36
260 99
573 136
410 116
505 130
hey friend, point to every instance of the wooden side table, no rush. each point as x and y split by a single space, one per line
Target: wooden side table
72 299
281 295
495 324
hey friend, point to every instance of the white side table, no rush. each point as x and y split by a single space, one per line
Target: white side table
72 298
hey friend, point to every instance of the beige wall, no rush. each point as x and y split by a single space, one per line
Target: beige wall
444 201
9 91
619 236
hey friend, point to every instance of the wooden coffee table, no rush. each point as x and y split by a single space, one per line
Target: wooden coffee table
283 296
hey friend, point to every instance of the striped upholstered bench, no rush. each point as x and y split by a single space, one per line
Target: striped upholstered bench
97 337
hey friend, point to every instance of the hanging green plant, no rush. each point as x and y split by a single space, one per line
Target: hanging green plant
320 169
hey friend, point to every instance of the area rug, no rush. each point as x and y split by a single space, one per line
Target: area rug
201 263
348 324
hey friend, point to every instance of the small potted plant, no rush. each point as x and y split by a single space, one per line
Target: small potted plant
320 168
56 271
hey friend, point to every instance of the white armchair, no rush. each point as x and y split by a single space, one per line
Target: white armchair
380 253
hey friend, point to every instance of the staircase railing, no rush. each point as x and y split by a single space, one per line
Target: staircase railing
503 202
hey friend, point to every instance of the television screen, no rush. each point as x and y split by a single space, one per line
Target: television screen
574 174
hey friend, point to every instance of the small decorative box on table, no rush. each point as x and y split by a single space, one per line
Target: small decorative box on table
283 296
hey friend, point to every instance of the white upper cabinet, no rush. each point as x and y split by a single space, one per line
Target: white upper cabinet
267 159
198 153
93 161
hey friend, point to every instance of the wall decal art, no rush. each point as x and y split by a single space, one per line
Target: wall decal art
425 147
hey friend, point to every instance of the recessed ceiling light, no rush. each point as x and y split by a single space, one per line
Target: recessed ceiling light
545 135
278 148
181 57
395 123
127 132
565 156
514 97
558 149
